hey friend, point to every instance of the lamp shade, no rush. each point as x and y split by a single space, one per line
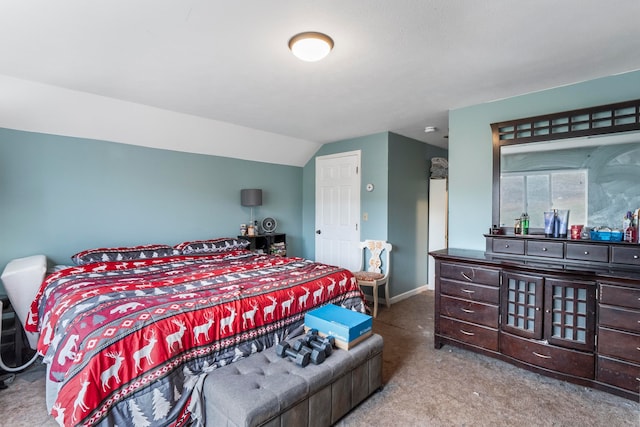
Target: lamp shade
251 197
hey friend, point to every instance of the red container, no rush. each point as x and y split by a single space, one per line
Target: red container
575 231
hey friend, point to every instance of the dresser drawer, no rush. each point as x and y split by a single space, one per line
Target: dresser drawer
470 274
619 374
621 255
545 249
597 253
619 344
543 355
474 312
620 318
508 246
482 293
620 295
470 334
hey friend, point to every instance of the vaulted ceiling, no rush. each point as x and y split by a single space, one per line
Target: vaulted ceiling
397 65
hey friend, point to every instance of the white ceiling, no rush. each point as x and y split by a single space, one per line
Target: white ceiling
397 65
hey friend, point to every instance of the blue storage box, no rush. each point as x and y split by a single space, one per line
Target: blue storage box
348 327
613 235
616 235
600 235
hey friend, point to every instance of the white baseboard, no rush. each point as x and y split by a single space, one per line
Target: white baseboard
410 293
402 296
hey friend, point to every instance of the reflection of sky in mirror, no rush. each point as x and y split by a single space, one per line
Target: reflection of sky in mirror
613 163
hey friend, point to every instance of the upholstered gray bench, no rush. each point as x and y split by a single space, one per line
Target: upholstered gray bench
266 390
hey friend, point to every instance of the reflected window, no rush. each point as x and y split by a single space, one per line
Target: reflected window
538 191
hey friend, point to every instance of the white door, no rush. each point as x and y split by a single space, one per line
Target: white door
338 209
437 222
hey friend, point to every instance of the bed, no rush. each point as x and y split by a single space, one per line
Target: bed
129 334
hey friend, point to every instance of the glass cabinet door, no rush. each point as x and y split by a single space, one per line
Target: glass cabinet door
561 312
570 313
522 304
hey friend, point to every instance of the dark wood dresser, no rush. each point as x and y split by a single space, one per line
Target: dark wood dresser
569 309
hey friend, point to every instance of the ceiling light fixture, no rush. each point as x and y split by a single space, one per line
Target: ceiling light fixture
429 129
310 46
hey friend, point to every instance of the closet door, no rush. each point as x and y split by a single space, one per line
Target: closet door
437 222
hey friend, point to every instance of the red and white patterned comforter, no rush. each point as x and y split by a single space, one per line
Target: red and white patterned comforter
128 341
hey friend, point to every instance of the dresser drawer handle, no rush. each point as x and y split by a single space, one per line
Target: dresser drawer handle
466 277
467 333
506 245
467 311
541 355
586 252
469 291
636 257
544 249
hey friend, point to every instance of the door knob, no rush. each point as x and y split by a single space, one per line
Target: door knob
318 232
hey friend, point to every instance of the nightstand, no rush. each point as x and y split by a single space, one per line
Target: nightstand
269 243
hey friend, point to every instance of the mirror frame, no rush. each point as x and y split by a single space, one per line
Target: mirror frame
599 120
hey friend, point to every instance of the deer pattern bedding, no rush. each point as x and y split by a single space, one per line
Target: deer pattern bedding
130 341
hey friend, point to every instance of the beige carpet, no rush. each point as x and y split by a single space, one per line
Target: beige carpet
423 386
454 387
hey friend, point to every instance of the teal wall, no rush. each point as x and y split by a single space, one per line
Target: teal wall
409 162
470 146
374 164
397 208
59 195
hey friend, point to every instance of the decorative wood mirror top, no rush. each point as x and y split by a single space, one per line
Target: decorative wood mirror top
585 160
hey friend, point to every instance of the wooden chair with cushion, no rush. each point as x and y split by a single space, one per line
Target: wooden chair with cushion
377 272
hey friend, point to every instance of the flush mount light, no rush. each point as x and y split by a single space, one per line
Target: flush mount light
310 46
430 129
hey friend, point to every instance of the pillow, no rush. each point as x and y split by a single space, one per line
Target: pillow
124 253
222 244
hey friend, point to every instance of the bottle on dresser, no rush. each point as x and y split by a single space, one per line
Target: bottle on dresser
627 231
630 226
524 223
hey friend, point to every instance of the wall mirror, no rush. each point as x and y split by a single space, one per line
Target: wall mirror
586 161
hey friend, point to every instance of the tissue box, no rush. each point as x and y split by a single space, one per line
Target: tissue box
348 327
